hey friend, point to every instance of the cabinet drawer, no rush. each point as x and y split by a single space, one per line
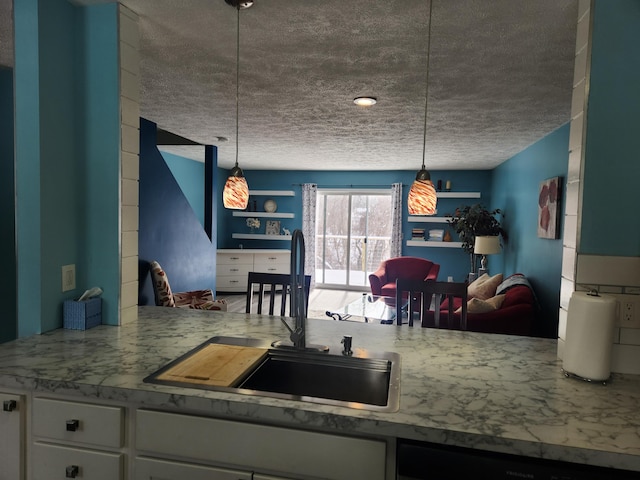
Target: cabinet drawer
52 461
234 258
260 447
94 424
233 270
231 283
152 469
272 258
271 268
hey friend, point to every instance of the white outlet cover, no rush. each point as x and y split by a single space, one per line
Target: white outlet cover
68 277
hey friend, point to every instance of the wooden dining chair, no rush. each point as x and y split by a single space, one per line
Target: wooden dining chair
272 285
412 296
416 296
450 291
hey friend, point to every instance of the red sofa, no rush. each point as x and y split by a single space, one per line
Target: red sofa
383 280
515 316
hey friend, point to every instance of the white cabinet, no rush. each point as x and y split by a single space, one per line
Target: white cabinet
77 440
233 265
12 436
260 449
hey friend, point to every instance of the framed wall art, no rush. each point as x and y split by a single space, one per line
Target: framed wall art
272 227
549 208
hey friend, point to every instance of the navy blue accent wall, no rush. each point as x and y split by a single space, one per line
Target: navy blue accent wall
8 292
515 188
169 230
454 262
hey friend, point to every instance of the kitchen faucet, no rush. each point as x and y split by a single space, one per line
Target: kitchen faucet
298 298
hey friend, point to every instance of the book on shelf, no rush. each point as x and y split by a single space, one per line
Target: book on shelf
436 235
417 233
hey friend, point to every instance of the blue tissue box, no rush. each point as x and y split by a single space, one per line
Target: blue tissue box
82 315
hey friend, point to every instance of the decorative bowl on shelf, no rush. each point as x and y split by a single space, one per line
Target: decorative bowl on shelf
270 206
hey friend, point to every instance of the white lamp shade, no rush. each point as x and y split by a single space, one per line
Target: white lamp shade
422 199
235 195
487 245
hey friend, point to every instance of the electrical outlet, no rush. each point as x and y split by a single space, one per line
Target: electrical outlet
68 277
628 311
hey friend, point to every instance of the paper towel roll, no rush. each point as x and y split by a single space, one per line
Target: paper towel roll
589 337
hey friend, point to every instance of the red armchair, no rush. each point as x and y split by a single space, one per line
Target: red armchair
383 280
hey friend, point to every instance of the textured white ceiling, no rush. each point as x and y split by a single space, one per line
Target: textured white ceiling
500 79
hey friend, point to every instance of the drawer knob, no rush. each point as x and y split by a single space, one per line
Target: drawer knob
73 425
72 471
9 405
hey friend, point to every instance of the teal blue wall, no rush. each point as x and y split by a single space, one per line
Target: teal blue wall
515 189
8 320
189 174
28 175
100 157
612 166
67 157
453 262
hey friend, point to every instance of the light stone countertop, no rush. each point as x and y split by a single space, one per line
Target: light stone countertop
485 391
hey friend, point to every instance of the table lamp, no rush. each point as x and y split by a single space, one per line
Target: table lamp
486 246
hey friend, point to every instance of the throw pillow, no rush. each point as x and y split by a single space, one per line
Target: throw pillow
475 305
484 287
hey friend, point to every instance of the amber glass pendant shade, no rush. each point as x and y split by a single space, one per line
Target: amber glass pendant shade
422 198
235 195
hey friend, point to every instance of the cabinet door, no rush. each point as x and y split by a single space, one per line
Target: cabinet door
52 461
154 469
12 437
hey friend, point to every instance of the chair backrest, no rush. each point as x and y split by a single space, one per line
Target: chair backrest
413 296
415 268
416 296
278 284
450 290
161 288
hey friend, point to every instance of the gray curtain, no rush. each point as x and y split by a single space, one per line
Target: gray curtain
396 224
309 197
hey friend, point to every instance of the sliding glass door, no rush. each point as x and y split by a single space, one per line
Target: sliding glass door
353 235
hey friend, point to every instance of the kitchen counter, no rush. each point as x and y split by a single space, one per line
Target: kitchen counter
485 391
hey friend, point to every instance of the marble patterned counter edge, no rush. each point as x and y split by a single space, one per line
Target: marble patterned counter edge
491 392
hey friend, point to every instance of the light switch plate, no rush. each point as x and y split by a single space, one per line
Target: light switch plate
68 277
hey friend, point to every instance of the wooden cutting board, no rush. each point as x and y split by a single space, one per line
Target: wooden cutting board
215 364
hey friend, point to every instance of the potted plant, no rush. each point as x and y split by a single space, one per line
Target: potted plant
472 221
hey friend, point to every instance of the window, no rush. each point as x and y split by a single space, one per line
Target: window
353 235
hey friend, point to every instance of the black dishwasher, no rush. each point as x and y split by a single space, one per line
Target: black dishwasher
422 461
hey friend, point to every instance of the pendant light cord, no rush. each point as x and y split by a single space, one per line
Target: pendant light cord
426 93
237 79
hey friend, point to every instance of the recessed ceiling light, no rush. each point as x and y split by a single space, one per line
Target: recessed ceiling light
365 101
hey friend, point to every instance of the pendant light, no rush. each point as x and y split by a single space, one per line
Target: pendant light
422 197
235 195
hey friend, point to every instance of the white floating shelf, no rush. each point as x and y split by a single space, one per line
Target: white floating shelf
458 194
427 219
259 236
273 193
424 243
263 214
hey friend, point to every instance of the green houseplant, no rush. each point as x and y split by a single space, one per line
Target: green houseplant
476 220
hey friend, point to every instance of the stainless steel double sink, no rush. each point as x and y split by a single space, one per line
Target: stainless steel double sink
363 380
